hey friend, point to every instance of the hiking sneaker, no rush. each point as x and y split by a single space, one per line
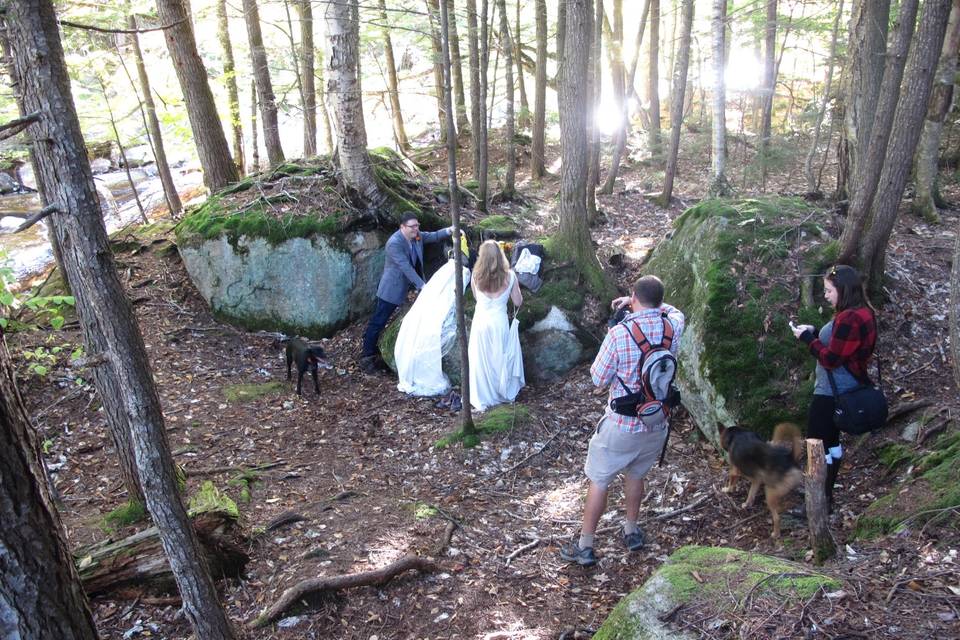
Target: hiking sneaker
572 552
634 541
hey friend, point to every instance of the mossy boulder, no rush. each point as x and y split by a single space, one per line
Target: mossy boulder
702 576
734 269
498 227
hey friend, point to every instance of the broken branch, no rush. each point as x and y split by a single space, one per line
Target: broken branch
37 217
15 126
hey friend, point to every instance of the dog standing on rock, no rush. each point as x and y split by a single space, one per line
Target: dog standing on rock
773 464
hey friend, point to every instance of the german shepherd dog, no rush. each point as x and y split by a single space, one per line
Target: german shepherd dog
773 464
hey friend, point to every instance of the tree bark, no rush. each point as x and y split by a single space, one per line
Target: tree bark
926 198
261 75
818 125
868 169
638 43
769 88
654 135
955 310
869 24
821 540
153 126
618 77
676 104
343 85
230 78
254 139
594 82
307 75
120 150
911 110
507 48
212 149
719 186
523 118
322 101
124 380
40 592
433 12
456 67
538 135
392 83
476 101
483 187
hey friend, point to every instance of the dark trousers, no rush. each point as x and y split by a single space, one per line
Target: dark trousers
379 320
820 422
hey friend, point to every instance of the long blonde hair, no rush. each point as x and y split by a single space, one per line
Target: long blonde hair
491 271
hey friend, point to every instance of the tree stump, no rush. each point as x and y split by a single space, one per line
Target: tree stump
821 540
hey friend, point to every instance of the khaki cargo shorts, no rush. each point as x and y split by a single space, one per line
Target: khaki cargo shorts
613 451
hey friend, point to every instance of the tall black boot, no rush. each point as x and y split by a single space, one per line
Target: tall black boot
832 470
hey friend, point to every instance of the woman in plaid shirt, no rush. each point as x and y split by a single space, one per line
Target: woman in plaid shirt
843 346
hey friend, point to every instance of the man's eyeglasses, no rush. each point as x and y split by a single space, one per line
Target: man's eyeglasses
412 225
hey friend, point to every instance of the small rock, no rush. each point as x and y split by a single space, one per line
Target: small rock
910 432
292 621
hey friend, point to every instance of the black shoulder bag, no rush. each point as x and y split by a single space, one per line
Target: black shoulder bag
862 409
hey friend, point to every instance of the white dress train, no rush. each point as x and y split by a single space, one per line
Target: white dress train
496 364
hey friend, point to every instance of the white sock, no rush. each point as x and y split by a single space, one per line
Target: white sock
586 541
629 527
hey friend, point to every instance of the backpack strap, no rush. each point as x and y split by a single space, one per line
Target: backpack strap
641 339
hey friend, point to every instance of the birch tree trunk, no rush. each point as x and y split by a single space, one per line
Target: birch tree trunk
322 101
307 77
40 592
676 104
212 149
153 126
392 83
927 197
538 135
261 74
505 46
911 110
112 337
230 78
824 101
343 86
719 185
870 166
769 88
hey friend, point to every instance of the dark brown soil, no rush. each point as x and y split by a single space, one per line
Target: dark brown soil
359 463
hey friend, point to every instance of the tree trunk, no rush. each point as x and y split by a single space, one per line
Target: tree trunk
305 10
631 88
817 126
868 168
507 48
212 149
574 234
617 75
456 67
538 135
120 150
322 101
261 74
433 12
483 187
523 118
594 83
769 88
123 377
255 142
927 198
40 592
719 186
153 127
654 135
866 55
911 111
343 83
476 101
230 77
676 104
466 413
955 310
821 540
392 83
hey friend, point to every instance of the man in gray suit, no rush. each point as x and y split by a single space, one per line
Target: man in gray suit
403 269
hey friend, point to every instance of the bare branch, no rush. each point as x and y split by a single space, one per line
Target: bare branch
15 126
90 27
37 217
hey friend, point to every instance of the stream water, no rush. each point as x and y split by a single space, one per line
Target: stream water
29 251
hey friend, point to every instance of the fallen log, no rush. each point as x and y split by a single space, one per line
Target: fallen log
139 561
314 587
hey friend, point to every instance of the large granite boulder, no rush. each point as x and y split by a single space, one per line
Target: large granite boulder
307 286
740 270
700 578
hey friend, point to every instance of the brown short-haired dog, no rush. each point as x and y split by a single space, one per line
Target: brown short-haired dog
772 464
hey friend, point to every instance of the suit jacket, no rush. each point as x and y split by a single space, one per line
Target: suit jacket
399 273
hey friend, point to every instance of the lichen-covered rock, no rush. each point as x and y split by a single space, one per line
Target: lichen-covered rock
728 266
695 575
308 286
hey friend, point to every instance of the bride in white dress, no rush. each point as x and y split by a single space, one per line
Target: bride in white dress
496 365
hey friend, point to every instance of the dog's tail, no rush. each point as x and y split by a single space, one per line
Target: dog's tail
787 434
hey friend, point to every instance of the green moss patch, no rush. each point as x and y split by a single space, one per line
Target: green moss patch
210 499
504 417
248 392
498 226
130 512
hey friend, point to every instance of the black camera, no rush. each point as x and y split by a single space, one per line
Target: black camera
618 316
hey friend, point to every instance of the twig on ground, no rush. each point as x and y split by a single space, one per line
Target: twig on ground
696 503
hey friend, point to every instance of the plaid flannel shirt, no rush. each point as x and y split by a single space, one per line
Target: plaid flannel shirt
851 344
620 356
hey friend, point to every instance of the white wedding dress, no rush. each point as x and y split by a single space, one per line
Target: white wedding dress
427 332
496 364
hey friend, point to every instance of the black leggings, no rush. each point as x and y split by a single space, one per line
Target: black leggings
820 422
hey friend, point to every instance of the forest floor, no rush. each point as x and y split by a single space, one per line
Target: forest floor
359 463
